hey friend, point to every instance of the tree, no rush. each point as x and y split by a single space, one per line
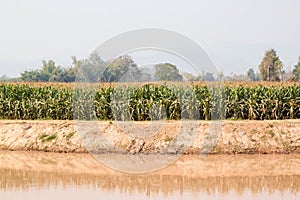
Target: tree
220 76
49 73
251 74
206 76
122 69
4 78
236 77
271 66
68 75
296 71
188 76
167 72
90 69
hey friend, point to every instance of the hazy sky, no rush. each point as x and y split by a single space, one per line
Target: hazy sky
235 33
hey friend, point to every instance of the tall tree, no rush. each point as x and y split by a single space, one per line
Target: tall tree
50 72
67 75
251 74
167 72
296 71
121 69
89 69
271 66
205 76
188 76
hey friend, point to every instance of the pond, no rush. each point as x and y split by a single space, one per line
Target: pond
39 175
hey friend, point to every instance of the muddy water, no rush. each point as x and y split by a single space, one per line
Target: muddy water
32 175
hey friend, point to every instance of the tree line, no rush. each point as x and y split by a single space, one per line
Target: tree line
124 69
94 69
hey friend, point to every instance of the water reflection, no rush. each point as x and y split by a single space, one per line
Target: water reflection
210 175
149 184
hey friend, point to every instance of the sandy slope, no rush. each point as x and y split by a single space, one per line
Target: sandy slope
152 137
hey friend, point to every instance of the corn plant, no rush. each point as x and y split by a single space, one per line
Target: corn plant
150 101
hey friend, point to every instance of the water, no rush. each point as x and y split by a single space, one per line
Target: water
32 175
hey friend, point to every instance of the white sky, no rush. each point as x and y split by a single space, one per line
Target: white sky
235 33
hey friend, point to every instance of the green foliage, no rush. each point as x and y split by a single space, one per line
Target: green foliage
151 102
167 72
30 102
206 76
50 72
251 74
70 135
271 132
47 138
263 103
271 66
189 76
90 69
122 69
296 71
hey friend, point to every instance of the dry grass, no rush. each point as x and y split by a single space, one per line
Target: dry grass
194 83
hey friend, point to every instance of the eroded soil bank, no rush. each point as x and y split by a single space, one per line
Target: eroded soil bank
152 137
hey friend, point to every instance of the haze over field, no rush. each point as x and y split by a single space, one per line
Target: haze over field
234 33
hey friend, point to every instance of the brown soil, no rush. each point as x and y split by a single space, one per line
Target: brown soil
228 137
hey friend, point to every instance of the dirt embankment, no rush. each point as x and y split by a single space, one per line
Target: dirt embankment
152 137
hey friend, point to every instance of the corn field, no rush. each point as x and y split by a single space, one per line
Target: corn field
150 102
